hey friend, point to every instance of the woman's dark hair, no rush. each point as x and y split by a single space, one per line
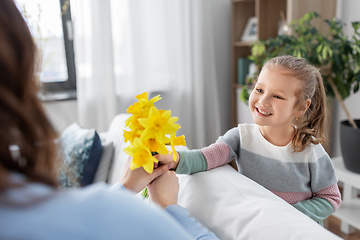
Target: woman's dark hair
23 122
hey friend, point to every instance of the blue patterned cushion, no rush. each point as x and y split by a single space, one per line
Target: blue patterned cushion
82 152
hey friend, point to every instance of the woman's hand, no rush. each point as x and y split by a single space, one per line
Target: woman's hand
168 158
164 190
137 179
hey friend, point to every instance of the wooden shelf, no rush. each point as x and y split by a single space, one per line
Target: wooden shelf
242 44
236 1
266 12
238 85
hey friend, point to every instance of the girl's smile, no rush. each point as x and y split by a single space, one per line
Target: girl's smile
263 113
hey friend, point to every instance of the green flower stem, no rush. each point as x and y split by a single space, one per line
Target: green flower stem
145 193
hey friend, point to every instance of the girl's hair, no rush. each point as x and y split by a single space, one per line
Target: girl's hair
23 121
310 128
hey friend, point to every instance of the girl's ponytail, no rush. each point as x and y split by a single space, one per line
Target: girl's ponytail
311 127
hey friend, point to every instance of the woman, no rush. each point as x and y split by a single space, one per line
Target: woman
31 206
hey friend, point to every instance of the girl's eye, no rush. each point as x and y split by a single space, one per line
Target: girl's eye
278 97
259 90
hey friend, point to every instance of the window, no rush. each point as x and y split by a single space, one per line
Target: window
51 26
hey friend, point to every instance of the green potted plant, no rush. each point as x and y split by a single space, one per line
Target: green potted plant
335 55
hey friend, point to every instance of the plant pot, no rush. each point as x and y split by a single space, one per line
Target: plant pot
350 145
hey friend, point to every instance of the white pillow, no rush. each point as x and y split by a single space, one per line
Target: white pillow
235 207
102 172
115 134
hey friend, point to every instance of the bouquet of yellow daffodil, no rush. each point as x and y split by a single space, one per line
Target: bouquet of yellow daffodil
150 130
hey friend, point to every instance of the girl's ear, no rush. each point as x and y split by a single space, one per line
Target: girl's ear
303 107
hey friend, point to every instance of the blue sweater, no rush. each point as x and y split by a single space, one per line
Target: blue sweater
36 211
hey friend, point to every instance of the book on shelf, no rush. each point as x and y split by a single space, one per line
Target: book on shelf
243 70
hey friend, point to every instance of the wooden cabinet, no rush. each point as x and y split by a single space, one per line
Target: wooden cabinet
267 13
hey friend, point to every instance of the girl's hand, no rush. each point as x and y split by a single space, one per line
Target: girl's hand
164 190
168 158
137 179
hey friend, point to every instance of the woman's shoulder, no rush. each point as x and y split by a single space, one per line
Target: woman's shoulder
104 202
117 212
93 212
35 196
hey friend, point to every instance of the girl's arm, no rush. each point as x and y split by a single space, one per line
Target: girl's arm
223 151
326 197
316 208
322 204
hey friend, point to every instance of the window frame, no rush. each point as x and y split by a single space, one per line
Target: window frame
66 90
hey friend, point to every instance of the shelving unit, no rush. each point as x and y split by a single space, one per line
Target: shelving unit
349 211
268 16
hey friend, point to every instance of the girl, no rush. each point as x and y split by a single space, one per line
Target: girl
281 151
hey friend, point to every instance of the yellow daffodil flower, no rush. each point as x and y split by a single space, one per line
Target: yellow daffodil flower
158 125
176 141
150 130
144 102
131 135
135 109
142 156
133 123
154 146
142 96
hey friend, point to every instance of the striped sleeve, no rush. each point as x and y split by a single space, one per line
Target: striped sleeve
216 155
316 208
225 149
324 181
331 194
323 203
207 158
191 162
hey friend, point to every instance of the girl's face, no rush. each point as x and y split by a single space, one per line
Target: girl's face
273 100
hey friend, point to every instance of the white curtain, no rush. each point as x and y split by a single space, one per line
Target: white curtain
179 49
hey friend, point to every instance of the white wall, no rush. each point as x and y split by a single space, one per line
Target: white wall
222 15
61 113
347 11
